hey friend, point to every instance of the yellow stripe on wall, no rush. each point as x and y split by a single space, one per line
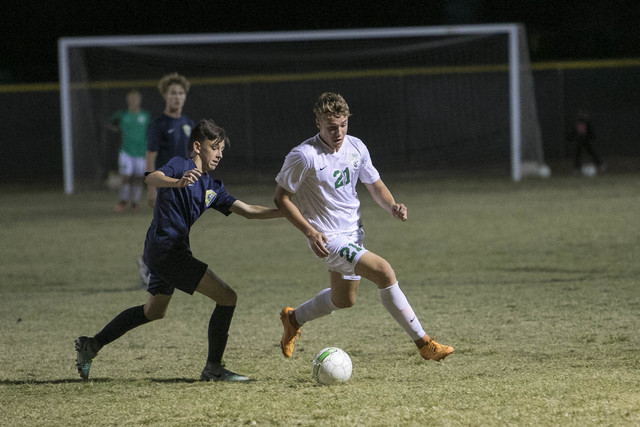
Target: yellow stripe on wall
583 65
328 75
29 87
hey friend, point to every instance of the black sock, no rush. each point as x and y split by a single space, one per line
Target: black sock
219 332
121 324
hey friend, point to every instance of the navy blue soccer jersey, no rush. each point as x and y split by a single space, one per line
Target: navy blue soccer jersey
177 209
169 137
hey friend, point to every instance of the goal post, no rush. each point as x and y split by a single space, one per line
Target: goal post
419 76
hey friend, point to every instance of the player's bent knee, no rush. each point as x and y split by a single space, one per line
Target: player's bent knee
224 295
384 276
377 269
230 297
385 273
156 306
345 302
215 288
153 314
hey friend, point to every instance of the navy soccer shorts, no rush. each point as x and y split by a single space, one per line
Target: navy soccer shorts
174 270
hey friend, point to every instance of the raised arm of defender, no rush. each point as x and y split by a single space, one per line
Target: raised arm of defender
254 211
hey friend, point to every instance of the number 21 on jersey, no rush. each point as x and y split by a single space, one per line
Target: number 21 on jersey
342 178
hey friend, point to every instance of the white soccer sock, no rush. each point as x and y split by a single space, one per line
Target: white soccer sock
396 303
318 306
137 193
125 190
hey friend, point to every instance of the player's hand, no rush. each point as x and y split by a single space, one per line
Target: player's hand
317 242
399 211
189 177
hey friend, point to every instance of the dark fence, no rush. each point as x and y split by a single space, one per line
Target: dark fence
31 135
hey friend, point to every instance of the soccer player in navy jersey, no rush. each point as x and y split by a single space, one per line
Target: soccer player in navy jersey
168 134
185 192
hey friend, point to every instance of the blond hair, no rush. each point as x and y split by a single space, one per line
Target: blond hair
331 104
170 79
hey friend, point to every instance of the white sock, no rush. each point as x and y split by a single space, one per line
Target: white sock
396 303
137 193
125 190
318 306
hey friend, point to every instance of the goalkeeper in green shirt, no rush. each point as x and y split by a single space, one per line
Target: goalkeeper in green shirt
132 125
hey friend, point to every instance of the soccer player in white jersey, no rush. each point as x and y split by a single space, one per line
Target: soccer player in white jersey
322 173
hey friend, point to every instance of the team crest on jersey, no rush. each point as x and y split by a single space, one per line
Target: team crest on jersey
209 196
354 160
186 129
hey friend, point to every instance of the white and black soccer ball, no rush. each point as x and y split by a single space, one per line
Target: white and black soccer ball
331 366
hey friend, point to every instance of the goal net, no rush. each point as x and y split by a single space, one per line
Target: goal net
456 99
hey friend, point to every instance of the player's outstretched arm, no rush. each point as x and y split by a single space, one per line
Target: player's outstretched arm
384 198
160 180
255 211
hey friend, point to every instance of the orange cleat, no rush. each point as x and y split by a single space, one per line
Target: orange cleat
120 206
434 351
290 332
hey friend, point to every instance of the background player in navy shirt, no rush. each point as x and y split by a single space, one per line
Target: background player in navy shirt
168 134
185 192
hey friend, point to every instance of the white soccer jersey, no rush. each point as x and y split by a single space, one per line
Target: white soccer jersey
324 182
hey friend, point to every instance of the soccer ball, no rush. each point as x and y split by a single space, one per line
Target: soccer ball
589 170
331 366
544 171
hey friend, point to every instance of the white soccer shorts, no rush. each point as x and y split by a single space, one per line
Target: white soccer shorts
345 251
131 166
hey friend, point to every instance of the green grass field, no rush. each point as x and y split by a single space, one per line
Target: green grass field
535 284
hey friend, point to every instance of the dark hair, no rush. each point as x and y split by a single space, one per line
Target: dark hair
207 130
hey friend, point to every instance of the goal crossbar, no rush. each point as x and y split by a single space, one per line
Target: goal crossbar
512 30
